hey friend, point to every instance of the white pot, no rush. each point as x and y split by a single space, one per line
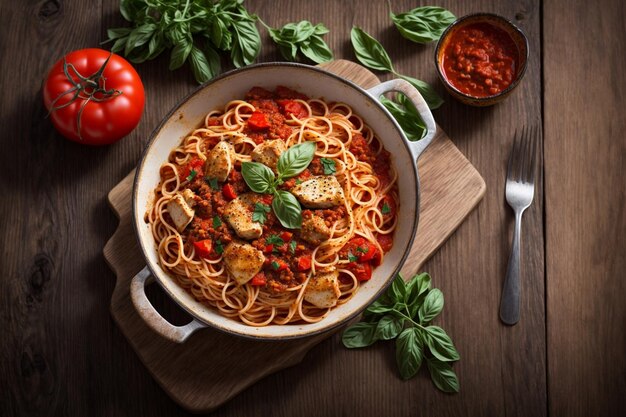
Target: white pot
315 83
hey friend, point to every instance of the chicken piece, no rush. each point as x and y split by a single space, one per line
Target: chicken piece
268 152
220 161
323 191
189 197
238 213
180 212
314 230
323 289
243 261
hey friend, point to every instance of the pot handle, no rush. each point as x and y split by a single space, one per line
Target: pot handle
153 319
411 92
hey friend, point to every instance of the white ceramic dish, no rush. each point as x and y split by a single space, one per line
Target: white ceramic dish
313 82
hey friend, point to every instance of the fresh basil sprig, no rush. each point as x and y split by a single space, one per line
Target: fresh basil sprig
304 37
405 113
193 30
423 24
404 313
373 55
261 179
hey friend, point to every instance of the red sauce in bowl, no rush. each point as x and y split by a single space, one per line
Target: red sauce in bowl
480 60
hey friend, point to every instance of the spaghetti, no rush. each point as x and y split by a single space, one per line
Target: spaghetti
226 245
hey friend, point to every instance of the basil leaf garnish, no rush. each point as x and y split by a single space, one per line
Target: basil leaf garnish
423 24
369 51
409 352
259 177
442 375
295 159
287 209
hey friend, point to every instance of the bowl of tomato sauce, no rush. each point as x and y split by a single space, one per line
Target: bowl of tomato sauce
481 58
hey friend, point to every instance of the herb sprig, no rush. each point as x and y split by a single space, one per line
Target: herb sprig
422 24
404 313
261 179
303 37
194 31
373 55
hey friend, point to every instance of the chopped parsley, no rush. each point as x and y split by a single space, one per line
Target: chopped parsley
274 240
217 222
192 175
352 258
329 166
275 265
260 212
363 250
386 209
292 247
212 183
219 247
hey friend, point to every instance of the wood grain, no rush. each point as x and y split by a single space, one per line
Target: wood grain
212 367
585 148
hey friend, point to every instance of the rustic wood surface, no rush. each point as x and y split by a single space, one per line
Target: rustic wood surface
62 354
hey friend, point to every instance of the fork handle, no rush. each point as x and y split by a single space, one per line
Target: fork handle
510 301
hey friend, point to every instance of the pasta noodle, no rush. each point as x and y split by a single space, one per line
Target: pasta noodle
345 240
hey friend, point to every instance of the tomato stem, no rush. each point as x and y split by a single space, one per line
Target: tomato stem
90 88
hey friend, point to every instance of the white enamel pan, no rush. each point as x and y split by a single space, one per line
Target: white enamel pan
315 83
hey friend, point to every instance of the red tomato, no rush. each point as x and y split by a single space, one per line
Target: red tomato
111 99
229 192
361 248
385 242
362 272
304 263
259 279
196 165
293 107
258 121
203 248
286 236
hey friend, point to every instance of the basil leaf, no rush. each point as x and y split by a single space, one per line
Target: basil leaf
247 43
412 125
274 240
440 344
295 159
180 53
116 33
388 327
379 307
212 181
287 209
369 51
423 24
217 222
329 166
202 72
433 304
432 98
259 177
397 290
292 247
219 247
316 50
442 375
320 29
409 352
139 36
359 335
417 289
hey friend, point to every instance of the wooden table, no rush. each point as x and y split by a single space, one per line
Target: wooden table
61 354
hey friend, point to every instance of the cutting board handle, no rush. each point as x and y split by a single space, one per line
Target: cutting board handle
153 318
411 92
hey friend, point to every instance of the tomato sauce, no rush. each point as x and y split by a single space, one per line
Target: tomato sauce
480 60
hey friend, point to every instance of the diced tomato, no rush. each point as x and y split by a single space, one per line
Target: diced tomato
362 271
229 192
268 248
378 258
203 248
361 248
286 236
281 265
304 263
293 107
259 279
194 164
258 121
385 242
267 199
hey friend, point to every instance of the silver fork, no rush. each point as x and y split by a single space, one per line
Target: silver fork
520 188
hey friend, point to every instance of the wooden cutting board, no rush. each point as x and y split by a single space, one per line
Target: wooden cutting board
207 370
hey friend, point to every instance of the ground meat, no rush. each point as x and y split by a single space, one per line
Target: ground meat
361 149
316 166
